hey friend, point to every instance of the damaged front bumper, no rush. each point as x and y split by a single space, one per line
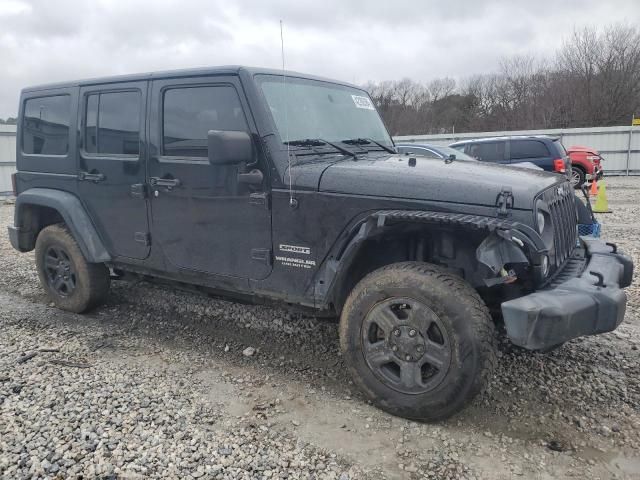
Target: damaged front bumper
585 298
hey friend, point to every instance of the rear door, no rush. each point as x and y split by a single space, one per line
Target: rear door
111 166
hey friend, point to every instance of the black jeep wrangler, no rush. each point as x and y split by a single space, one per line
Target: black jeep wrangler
262 185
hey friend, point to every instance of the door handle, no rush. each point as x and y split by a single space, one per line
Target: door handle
254 177
91 177
164 182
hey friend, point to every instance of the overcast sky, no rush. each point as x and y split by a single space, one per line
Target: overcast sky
352 40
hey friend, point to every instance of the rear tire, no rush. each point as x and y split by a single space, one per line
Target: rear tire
70 281
578 176
417 340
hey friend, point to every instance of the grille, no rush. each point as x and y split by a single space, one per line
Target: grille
562 208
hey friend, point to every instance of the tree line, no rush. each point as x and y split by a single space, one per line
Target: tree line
593 80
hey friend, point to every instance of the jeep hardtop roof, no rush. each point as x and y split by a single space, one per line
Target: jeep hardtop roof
188 72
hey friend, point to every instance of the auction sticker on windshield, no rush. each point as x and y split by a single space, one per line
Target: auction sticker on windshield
362 102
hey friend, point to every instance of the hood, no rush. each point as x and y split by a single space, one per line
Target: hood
460 181
579 148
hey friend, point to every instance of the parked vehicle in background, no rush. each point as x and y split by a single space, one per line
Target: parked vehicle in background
442 152
546 152
433 151
586 164
239 184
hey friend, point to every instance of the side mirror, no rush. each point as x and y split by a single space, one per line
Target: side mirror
229 147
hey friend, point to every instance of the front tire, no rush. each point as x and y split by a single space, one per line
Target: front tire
417 340
70 281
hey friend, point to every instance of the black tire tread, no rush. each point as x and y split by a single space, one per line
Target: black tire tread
482 324
96 275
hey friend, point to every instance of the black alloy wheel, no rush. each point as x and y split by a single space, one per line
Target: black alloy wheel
406 345
60 271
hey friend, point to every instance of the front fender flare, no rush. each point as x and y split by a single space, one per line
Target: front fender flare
73 214
333 270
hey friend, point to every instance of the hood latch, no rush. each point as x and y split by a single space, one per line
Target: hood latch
504 201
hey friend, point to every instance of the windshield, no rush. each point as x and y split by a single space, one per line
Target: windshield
321 110
460 155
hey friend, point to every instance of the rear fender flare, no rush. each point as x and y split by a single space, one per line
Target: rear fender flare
72 212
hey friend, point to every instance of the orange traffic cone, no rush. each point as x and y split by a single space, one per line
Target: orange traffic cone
602 204
594 188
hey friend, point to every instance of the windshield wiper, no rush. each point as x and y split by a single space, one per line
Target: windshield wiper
367 141
318 142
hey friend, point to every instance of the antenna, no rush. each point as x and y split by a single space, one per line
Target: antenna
293 203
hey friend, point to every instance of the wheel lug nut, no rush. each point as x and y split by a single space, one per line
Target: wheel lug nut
396 332
412 333
408 358
420 348
394 348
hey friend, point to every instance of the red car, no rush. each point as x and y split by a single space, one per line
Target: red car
585 164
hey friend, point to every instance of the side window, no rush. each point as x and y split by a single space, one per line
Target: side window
418 151
487 151
190 112
521 149
112 123
45 125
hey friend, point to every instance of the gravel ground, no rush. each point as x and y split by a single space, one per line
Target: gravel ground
156 384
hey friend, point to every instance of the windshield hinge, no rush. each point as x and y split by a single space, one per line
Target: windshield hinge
504 201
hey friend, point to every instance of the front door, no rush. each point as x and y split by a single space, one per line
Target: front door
111 166
203 219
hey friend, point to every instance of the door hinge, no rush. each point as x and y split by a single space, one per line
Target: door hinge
262 255
504 201
142 237
139 190
259 198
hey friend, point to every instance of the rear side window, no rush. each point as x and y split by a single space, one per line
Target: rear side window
112 123
561 150
528 149
189 113
45 125
487 151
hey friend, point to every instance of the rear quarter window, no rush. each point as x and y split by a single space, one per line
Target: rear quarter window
45 125
561 150
521 149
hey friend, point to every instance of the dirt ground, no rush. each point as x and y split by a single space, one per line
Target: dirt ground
155 384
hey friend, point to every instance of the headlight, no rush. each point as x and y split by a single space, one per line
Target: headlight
545 266
544 224
540 216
